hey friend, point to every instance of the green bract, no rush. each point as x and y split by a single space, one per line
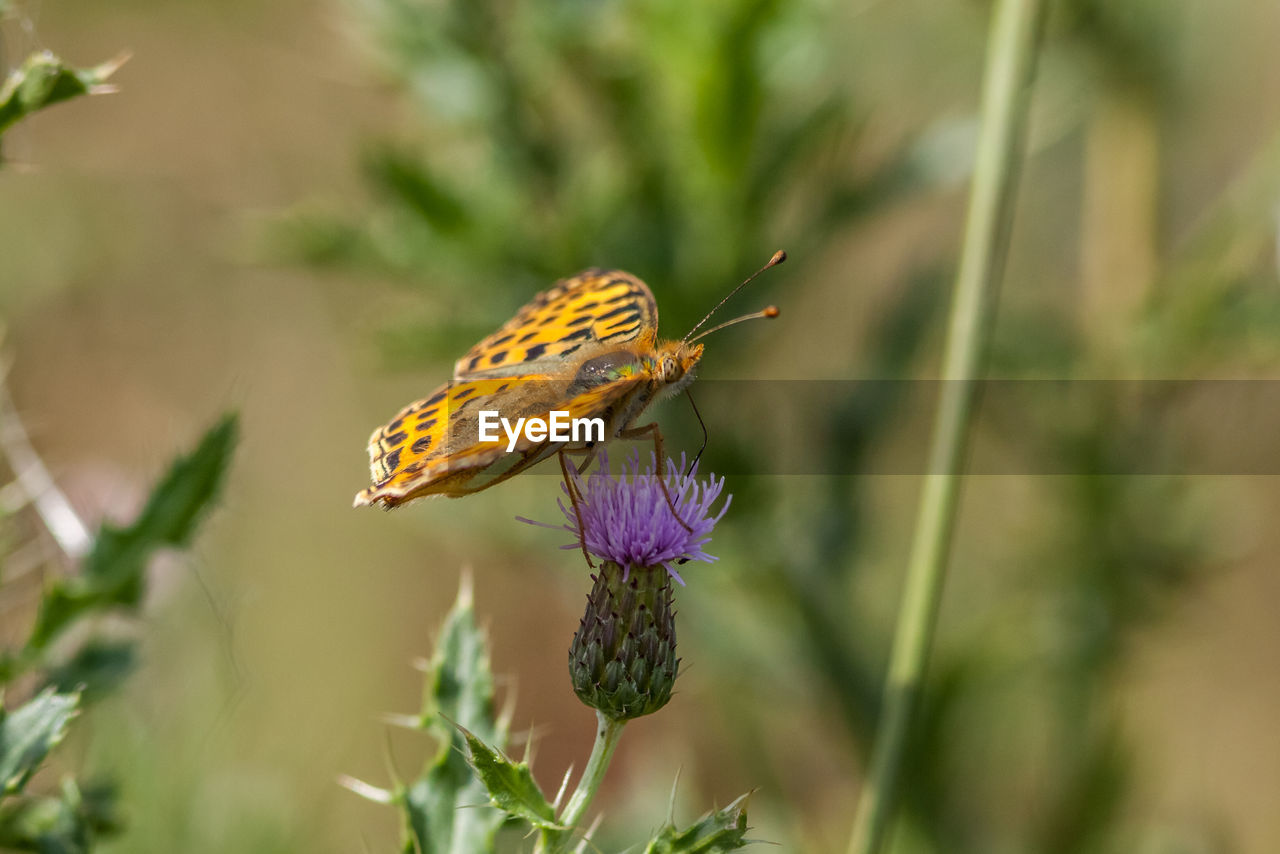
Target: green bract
623 657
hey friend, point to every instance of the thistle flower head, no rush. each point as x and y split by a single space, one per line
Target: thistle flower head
627 519
622 661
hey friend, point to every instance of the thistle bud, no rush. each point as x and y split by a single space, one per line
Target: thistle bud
641 525
623 657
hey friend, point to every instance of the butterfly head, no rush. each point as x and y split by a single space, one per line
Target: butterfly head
674 365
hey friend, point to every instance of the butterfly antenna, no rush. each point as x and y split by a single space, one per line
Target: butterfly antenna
771 311
778 258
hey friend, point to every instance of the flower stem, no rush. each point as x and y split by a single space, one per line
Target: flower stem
608 732
1015 31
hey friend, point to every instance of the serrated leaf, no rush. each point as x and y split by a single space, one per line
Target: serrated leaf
114 571
44 80
446 808
459 688
510 784
29 733
718 831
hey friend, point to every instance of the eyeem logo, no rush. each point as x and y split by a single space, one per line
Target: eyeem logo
558 428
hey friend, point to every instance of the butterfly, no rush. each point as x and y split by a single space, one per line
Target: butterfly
585 349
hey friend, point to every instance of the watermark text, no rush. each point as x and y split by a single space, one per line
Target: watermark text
557 427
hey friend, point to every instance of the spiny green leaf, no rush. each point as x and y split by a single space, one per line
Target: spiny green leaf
446 808
460 685
171 514
29 733
44 80
114 571
718 831
511 785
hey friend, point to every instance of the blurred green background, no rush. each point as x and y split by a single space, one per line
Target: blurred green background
306 211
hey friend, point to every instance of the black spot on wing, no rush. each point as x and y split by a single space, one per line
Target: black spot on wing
628 295
576 335
392 460
625 333
427 423
397 438
632 320
535 352
498 357
498 342
622 309
421 444
578 321
465 393
528 336
429 402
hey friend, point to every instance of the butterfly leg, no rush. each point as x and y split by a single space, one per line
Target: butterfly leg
574 499
590 453
651 429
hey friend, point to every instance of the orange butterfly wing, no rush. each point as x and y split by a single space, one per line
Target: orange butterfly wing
592 308
432 446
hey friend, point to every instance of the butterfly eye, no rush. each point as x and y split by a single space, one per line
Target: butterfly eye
670 370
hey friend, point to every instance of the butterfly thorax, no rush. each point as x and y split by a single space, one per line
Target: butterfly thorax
652 371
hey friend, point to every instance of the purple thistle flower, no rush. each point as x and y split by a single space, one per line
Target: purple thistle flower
622 661
627 519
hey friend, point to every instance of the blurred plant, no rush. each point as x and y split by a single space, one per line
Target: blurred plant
44 80
1110 557
1011 54
69 657
675 141
1118 547
622 663
1125 539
